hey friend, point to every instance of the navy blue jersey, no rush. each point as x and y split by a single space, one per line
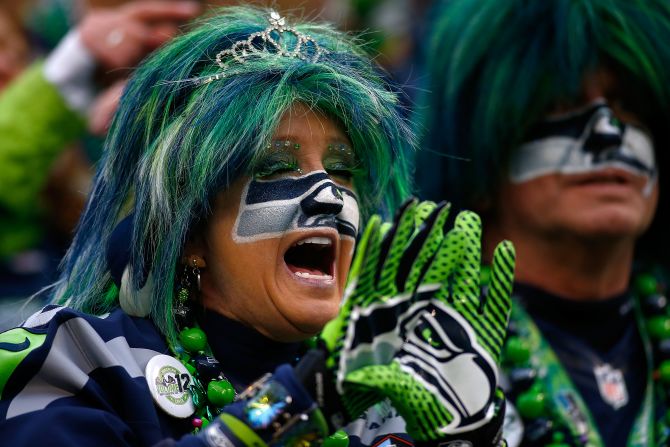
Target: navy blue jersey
73 379
586 338
572 330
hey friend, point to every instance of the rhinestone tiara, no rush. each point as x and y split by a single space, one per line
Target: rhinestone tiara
267 43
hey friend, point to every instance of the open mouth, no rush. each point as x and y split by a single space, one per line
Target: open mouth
311 258
605 179
615 177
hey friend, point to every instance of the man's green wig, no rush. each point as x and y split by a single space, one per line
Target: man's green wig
175 142
495 67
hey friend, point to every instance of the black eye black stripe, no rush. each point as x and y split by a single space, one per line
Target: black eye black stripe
286 188
572 127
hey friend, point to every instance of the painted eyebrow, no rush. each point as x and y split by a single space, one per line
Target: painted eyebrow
330 139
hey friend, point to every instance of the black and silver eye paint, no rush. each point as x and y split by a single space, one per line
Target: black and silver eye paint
272 208
588 140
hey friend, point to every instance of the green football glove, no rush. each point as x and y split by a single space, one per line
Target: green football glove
415 327
373 274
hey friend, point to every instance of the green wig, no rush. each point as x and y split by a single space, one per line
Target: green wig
176 142
495 67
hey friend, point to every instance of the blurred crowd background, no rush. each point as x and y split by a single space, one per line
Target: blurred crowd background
63 66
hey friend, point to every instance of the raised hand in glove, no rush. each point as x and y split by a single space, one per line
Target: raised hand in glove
415 327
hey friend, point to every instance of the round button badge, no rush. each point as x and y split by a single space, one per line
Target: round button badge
169 383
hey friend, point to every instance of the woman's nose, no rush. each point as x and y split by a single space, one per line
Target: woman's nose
327 199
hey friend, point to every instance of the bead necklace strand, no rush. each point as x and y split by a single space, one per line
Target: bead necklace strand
210 388
532 400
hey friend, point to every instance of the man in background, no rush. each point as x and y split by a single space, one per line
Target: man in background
550 119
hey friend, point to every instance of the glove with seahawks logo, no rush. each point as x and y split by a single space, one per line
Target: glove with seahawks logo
416 328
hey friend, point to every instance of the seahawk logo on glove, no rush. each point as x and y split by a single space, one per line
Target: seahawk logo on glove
435 345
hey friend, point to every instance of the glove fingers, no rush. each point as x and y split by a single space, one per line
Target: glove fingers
360 390
423 211
360 290
502 276
444 263
423 414
498 299
394 244
360 275
422 249
365 287
362 248
464 292
466 276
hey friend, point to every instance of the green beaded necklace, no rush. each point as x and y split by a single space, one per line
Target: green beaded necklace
218 393
209 396
530 352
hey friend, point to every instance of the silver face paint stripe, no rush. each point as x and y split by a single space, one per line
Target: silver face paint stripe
538 158
274 218
565 155
350 214
77 349
263 223
251 217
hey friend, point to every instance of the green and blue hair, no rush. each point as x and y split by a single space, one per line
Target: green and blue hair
176 142
495 67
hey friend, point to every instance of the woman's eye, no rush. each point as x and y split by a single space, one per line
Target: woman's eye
276 169
341 173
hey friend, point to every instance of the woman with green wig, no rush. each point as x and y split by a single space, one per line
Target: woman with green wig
216 245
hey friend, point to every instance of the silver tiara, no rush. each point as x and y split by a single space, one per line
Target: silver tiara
267 43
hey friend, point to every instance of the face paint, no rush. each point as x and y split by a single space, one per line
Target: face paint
588 140
272 208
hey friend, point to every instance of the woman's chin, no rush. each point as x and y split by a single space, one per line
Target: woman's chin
309 325
308 309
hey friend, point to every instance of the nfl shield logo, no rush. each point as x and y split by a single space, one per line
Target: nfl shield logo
393 441
611 385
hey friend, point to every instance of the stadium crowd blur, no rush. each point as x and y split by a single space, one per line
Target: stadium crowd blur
63 66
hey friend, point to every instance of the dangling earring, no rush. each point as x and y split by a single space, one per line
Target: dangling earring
187 290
